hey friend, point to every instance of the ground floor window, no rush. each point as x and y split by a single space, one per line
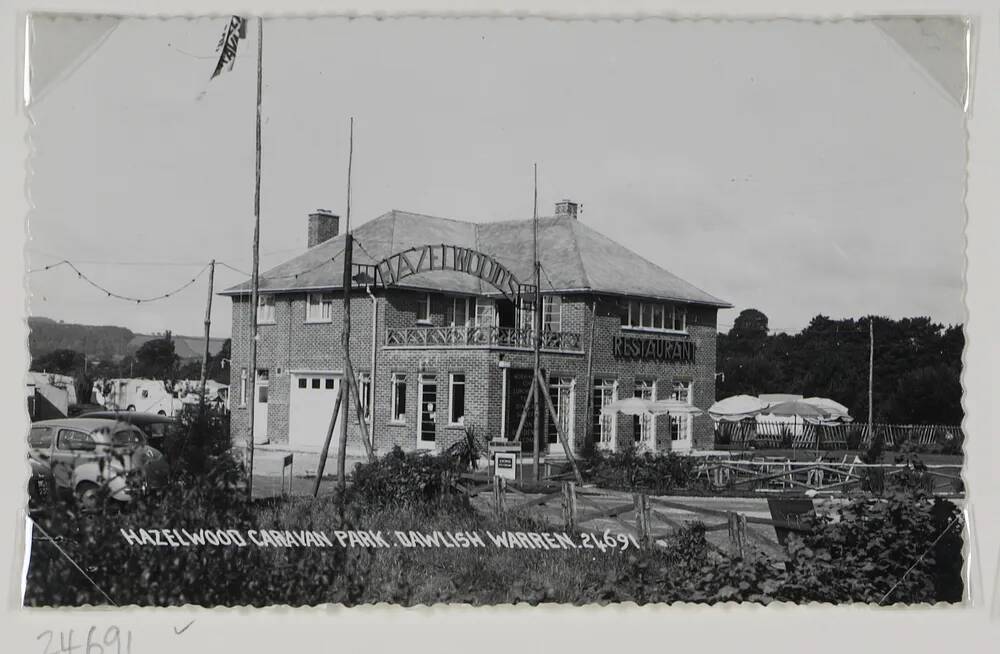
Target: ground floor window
365 383
644 427
604 426
680 426
456 399
427 419
398 397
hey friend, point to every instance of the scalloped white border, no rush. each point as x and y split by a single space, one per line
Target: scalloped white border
923 634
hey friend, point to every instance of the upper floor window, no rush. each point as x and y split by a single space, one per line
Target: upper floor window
551 313
485 312
319 307
460 312
265 309
656 315
424 308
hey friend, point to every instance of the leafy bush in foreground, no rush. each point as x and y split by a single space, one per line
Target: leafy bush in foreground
642 472
402 479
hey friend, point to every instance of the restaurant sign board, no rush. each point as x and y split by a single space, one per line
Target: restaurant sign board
653 349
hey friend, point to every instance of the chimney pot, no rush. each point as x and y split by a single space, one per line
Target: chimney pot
567 208
323 225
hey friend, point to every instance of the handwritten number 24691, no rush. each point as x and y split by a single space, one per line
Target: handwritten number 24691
113 641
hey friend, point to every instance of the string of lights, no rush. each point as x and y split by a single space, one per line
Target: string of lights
128 298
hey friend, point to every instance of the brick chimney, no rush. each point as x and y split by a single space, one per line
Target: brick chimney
568 209
323 225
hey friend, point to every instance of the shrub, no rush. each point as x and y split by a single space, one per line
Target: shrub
646 472
403 479
201 575
905 548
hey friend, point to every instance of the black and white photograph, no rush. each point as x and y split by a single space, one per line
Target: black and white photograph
495 311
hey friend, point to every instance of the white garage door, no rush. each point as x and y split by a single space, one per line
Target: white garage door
310 406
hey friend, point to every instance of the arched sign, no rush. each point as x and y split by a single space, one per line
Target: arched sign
425 258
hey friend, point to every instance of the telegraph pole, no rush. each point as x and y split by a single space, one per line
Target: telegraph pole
255 277
871 371
345 336
537 328
208 328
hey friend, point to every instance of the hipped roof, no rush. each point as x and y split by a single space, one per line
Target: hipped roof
574 258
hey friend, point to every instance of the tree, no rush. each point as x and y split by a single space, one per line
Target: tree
750 324
60 362
156 359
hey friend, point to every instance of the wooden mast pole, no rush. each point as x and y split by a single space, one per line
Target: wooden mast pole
255 275
208 330
537 329
345 335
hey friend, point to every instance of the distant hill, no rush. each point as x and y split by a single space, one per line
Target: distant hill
105 341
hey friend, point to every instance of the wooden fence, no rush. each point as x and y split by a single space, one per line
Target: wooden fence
840 436
820 477
640 516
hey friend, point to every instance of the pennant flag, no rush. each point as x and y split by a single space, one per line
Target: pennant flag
235 30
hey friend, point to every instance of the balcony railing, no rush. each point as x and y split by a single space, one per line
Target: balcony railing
484 337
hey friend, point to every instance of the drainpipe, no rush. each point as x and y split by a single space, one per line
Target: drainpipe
371 369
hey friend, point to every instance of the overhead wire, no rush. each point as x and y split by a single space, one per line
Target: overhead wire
138 300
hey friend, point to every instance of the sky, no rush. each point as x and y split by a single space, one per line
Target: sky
799 168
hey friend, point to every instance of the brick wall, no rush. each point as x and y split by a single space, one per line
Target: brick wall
290 344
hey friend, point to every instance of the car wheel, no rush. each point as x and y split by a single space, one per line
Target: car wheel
131 407
88 497
161 413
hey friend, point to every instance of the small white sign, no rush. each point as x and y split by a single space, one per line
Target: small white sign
505 465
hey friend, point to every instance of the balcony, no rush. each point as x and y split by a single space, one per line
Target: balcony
500 338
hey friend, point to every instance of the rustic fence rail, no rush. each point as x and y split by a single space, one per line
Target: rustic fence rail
640 516
840 436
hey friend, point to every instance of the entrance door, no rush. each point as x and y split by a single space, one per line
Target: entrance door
561 393
644 427
310 407
260 406
681 426
605 426
518 387
427 419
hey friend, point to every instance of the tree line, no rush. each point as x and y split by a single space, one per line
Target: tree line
917 365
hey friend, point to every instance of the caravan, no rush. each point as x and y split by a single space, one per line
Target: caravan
143 395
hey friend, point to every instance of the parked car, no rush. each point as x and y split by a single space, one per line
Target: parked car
155 426
92 459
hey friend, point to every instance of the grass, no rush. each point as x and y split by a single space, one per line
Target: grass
479 575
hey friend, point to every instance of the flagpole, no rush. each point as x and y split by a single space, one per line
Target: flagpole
537 329
255 277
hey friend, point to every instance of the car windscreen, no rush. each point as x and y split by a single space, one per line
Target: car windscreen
157 429
126 438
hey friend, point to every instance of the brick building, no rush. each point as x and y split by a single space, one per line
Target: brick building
443 346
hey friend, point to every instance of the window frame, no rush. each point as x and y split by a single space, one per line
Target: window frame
365 388
467 312
486 303
451 399
244 377
325 299
267 302
663 317
424 302
397 380
548 312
